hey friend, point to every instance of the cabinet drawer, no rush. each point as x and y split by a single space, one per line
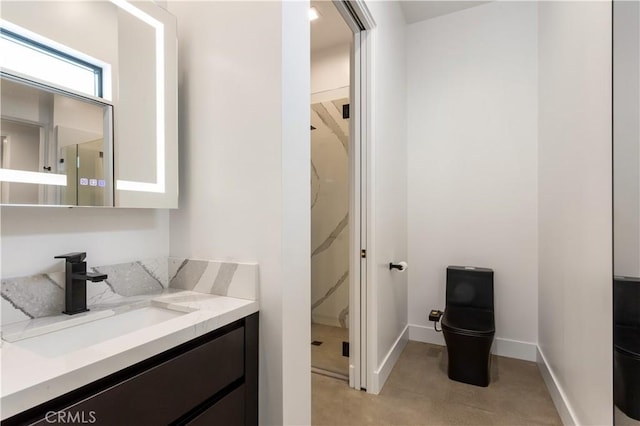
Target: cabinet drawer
165 392
229 411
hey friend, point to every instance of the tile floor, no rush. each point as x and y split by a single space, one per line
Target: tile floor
328 356
418 392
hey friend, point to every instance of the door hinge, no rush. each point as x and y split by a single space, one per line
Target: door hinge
363 253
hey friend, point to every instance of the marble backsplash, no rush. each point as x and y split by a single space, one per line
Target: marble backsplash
42 295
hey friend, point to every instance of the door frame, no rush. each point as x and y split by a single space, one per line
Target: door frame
359 19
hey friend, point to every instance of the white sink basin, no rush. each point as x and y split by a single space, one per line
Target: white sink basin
78 336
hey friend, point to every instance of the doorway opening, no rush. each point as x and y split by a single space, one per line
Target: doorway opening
331 46
340 64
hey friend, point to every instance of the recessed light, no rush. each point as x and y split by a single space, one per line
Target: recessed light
313 14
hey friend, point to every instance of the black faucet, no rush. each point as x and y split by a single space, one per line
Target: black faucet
76 277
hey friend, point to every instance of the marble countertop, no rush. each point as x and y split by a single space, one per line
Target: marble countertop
30 378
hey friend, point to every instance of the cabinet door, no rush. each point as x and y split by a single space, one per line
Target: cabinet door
229 411
167 391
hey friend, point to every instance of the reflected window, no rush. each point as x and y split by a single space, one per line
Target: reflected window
36 60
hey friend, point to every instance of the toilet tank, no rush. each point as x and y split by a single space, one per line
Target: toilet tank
469 287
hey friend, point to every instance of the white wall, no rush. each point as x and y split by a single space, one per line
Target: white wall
387 291
31 236
330 68
295 261
472 100
245 171
25 103
77 115
574 157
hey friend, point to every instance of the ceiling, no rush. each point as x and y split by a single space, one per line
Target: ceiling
330 29
419 10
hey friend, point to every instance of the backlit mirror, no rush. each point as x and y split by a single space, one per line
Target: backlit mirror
115 55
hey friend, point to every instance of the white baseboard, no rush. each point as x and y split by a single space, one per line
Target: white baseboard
421 333
503 347
567 415
381 375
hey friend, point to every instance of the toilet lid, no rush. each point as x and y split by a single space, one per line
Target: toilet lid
627 339
468 320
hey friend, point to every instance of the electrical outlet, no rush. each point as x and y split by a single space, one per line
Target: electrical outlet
435 315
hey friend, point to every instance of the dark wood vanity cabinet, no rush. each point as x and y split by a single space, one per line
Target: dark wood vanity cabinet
211 380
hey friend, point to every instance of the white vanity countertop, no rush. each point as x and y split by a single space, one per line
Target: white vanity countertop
30 378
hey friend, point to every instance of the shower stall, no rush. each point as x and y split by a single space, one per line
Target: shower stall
330 231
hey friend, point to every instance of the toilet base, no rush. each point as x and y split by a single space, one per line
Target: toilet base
469 358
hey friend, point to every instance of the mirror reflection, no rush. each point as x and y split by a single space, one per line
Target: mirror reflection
626 212
56 147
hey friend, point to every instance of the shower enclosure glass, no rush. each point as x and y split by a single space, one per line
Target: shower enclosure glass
330 231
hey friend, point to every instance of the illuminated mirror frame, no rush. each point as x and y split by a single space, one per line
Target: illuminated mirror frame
159 186
20 176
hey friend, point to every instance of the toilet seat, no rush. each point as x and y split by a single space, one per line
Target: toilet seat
468 321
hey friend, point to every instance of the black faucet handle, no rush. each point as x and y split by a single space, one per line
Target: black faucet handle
95 277
76 257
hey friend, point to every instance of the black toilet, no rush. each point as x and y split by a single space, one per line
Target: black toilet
468 323
626 343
